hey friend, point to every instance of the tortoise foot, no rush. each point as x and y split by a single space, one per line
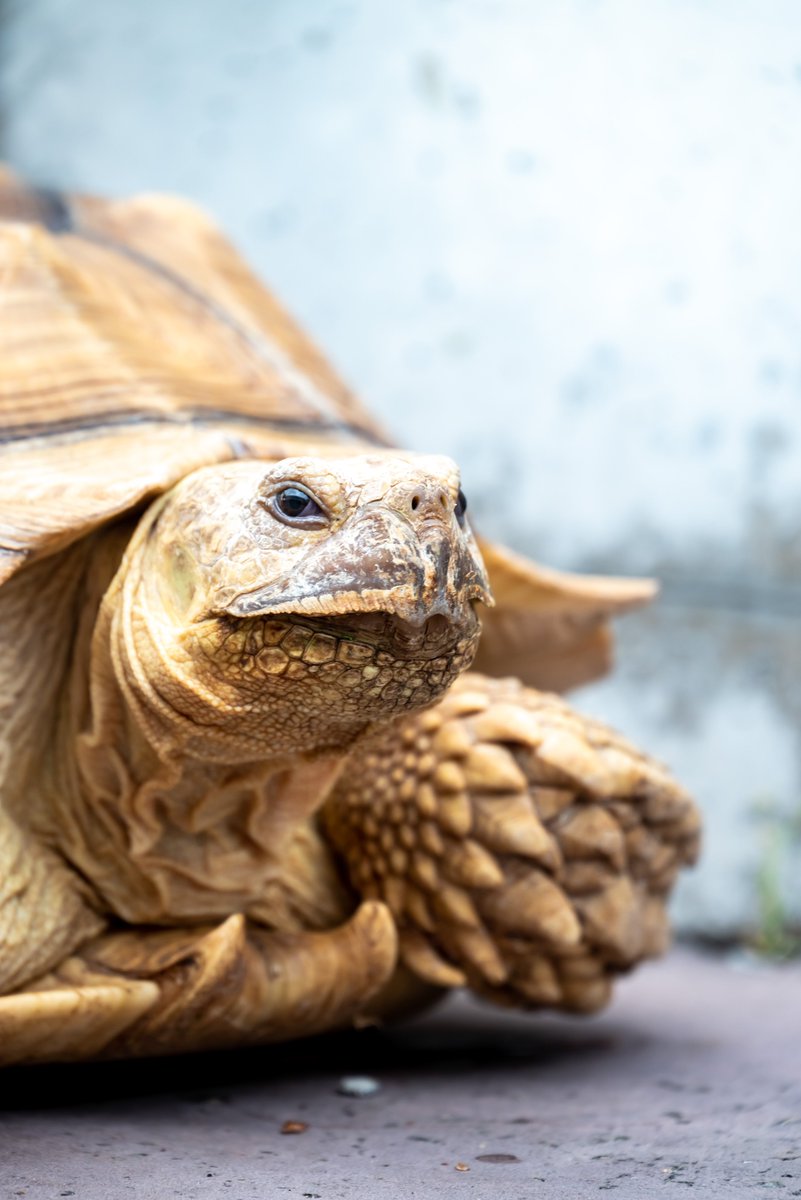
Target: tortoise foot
524 850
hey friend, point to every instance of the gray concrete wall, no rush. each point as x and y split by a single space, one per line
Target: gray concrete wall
560 241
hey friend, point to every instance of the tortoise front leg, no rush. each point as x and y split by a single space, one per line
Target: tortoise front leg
523 850
143 992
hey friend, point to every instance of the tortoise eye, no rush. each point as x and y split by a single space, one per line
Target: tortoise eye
460 507
294 504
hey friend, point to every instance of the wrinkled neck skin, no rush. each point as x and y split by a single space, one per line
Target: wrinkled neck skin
183 809
199 743
195 698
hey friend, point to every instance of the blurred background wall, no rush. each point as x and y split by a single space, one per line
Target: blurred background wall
561 241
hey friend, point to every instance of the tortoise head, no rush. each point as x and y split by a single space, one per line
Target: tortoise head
308 598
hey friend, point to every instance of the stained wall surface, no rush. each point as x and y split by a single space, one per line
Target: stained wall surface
560 242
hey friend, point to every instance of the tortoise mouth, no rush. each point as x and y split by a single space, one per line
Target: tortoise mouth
370 662
360 638
377 632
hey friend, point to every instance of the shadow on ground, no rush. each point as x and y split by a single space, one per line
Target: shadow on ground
467 1045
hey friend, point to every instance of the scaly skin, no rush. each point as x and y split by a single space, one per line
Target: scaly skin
523 850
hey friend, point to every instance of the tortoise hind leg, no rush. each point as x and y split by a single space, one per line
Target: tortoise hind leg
169 991
524 850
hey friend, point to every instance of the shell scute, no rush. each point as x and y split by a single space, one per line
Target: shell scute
135 347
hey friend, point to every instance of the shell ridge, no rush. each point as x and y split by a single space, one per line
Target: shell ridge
257 345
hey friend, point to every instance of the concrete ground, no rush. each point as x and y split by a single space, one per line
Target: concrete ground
691 1080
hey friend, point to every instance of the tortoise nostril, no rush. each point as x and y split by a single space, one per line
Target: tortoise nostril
427 500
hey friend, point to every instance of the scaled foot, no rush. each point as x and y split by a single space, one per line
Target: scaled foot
524 850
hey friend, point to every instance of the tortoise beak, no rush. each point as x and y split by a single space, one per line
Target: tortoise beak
380 561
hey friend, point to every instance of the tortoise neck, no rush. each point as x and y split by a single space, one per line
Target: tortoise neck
165 819
191 686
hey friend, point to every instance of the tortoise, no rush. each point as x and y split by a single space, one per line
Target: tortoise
251 787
